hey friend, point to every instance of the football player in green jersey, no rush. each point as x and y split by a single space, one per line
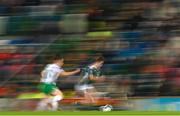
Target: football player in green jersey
90 74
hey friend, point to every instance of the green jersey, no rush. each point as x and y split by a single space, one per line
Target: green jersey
86 72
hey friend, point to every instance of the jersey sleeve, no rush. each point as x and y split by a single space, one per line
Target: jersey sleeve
47 66
60 70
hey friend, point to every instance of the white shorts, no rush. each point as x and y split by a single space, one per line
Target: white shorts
83 87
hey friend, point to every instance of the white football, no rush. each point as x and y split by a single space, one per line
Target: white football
106 108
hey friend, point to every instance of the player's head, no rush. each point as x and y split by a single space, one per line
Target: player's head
99 61
59 60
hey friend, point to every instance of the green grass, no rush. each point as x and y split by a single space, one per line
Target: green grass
92 113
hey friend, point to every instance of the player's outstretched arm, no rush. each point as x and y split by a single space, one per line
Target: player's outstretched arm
65 73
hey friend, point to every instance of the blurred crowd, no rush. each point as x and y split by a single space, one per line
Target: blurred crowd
140 40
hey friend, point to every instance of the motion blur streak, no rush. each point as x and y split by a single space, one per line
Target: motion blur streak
140 40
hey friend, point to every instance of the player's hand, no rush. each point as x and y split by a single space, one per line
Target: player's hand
78 70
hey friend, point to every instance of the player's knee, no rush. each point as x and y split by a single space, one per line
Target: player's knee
57 98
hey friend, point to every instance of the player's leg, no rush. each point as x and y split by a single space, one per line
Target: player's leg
57 95
90 94
87 92
50 90
42 105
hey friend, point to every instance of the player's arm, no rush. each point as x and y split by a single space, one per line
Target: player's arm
65 73
95 78
92 77
42 73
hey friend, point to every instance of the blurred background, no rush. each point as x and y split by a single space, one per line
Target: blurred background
140 40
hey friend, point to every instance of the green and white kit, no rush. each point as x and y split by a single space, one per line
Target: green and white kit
48 81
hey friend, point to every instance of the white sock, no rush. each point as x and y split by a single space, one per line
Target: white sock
57 98
55 102
42 105
54 106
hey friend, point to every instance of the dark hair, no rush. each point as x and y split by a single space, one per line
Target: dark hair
99 59
57 57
